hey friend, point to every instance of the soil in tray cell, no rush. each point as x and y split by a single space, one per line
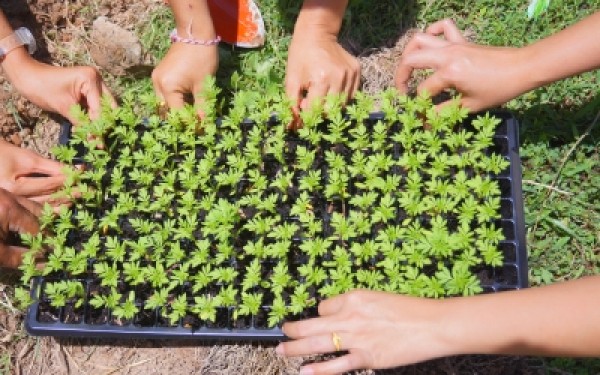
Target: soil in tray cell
221 321
506 275
145 318
97 316
509 251
47 313
72 314
261 320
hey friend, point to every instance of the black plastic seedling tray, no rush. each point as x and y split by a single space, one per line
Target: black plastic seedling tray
149 324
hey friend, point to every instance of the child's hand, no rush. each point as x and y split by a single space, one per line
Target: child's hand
182 72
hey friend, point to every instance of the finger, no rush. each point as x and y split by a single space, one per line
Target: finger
352 77
159 93
433 85
310 345
57 203
71 119
40 265
32 163
31 206
355 85
339 365
340 85
293 89
470 105
316 93
308 327
36 186
47 166
92 98
22 220
422 59
174 99
296 120
448 29
11 256
419 42
106 93
331 305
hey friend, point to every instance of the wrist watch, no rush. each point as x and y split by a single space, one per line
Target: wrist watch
21 36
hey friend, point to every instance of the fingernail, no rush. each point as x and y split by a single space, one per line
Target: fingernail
306 371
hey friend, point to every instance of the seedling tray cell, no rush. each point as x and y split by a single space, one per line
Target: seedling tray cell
79 318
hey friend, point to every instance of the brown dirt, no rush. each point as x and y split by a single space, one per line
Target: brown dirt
378 66
65 29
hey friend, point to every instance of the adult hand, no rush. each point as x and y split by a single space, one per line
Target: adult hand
56 89
318 65
378 330
27 174
485 76
17 214
183 71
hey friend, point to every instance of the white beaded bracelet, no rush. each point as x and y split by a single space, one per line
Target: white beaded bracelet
198 42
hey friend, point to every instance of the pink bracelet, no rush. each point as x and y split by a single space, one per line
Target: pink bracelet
176 38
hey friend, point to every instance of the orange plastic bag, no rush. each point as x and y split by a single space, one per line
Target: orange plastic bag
238 22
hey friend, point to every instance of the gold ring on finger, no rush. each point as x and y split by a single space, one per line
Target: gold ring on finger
337 341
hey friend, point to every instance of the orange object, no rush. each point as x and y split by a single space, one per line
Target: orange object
238 22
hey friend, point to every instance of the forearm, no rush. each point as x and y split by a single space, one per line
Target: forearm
564 54
323 17
17 59
193 17
5 28
561 319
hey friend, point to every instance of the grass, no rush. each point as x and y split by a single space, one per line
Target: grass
559 128
5 363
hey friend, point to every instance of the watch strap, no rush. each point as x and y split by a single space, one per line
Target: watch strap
21 36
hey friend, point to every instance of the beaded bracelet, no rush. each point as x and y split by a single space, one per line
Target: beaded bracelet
198 42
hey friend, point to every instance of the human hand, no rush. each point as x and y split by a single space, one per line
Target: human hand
27 174
17 214
318 65
183 71
56 89
485 76
377 329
